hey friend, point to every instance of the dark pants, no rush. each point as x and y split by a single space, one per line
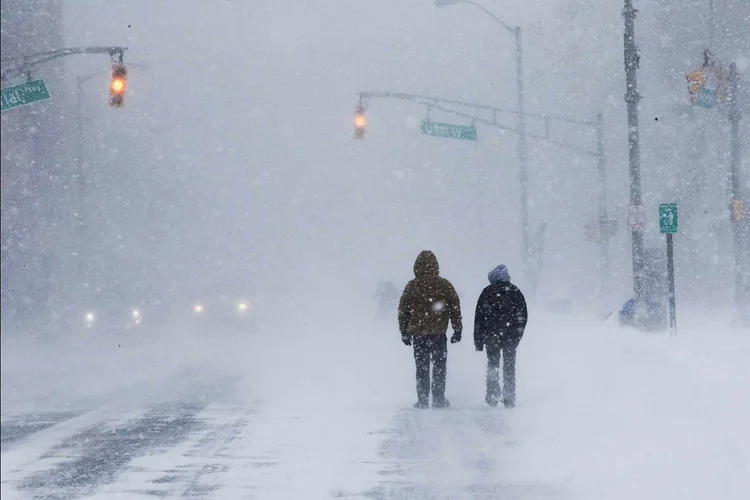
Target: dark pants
508 352
431 348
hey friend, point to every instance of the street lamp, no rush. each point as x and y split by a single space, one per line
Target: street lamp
522 151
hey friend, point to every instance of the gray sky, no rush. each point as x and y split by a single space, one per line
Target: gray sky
245 120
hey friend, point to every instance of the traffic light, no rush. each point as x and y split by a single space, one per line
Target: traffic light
359 123
118 85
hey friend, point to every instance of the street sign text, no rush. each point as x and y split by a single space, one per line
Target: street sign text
23 94
436 129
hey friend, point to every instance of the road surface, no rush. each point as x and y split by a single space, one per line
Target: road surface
601 413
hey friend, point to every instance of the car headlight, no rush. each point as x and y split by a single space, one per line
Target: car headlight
198 308
89 318
242 307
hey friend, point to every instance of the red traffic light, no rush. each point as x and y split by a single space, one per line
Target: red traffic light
359 123
118 85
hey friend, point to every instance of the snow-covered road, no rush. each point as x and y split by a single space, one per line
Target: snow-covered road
602 414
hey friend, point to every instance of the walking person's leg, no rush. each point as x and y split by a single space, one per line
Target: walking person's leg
509 375
439 370
422 361
493 374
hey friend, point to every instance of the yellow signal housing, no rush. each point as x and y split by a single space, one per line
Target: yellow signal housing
359 123
118 85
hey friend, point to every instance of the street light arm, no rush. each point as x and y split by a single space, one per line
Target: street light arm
508 27
365 96
441 105
28 62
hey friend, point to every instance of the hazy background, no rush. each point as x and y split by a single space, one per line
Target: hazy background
232 168
233 159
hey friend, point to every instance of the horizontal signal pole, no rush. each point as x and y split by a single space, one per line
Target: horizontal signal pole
442 105
28 62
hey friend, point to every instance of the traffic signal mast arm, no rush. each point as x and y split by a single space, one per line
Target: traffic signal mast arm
30 61
476 116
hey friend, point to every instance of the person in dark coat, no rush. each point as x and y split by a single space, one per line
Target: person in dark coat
499 323
427 304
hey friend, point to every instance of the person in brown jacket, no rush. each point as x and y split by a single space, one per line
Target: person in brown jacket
427 304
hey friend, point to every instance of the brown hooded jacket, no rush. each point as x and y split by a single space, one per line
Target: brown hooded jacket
428 301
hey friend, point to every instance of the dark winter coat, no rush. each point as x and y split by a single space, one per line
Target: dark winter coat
428 301
501 315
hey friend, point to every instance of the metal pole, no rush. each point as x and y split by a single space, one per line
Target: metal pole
80 191
522 154
736 201
631 98
28 62
711 24
670 278
603 216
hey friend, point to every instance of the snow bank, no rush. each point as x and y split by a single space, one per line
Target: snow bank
617 414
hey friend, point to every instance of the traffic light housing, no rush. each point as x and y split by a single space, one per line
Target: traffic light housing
359 123
118 85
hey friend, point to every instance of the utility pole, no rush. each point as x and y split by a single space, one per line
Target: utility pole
631 98
604 233
736 205
522 156
80 192
711 24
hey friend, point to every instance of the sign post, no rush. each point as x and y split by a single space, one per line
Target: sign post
668 226
23 94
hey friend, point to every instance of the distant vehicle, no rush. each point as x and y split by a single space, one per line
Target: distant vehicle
114 316
222 311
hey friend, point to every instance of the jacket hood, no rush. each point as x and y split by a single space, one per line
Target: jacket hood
499 275
426 265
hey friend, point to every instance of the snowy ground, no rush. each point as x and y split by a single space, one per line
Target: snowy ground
300 411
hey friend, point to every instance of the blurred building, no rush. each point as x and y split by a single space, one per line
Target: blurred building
34 164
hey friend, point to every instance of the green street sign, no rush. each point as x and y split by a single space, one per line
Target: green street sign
706 98
668 217
23 94
436 129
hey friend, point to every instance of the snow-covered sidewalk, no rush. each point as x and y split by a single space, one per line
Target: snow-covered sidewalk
617 414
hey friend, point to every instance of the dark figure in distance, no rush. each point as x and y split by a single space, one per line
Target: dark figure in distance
427 304
499 324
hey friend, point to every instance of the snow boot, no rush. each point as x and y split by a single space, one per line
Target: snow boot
491 400
441 403
421 405
509 403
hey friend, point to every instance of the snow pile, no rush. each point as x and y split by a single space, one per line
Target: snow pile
619 415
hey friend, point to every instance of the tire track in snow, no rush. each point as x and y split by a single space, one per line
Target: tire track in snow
189 470
15 428
100 453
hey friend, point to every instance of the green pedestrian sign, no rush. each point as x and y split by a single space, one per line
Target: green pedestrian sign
23 94
468 133
668 225
668 218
